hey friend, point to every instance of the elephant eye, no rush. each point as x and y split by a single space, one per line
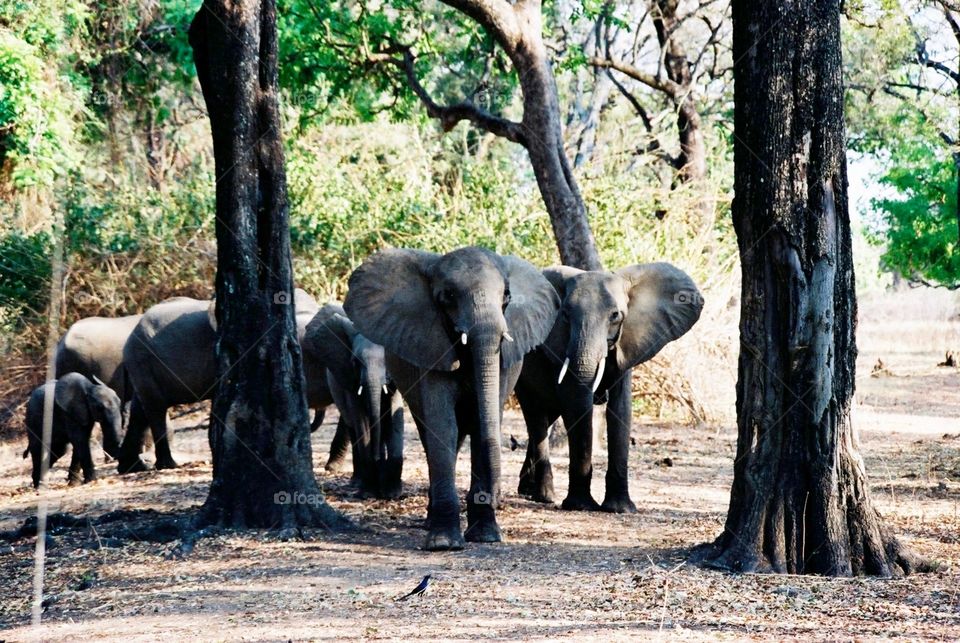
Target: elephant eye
615 317
446 297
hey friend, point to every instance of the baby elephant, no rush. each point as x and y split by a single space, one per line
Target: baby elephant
77 404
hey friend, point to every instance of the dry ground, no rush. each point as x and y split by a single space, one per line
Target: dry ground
558 575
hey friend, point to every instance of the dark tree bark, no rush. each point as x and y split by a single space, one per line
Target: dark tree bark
517 28
262 466
800 501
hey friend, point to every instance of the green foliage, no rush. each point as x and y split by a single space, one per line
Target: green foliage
36 116
24 272
919 224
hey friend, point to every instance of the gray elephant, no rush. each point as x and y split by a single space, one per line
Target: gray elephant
608 323
170 359
455 328
94 347
78 403
370 407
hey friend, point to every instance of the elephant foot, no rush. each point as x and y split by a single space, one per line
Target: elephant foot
618 504
73 481
391 491
580 502
485 531
537 490
449 539
132 466
166 463
335 465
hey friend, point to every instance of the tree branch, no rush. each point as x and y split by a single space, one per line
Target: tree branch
668 87
496 16
450 115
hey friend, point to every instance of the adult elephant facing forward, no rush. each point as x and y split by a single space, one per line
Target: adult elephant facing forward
609 322
455 329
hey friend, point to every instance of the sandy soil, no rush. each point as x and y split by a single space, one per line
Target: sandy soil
558 575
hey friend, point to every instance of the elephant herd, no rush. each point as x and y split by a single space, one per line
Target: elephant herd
450 335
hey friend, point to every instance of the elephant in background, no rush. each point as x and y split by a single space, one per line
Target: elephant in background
370 407
170 359
94 347
609 322
78 403
455 328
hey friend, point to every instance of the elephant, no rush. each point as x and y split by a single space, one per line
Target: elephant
77 404
369 404
609 322
455 328
170 359
94 347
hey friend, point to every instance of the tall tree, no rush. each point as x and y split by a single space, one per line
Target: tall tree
800 501
517 28
262 473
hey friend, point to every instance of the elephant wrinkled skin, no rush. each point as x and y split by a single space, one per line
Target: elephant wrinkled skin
609 322
78 403
455 328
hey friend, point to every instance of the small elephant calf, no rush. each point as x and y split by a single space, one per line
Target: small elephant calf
77 404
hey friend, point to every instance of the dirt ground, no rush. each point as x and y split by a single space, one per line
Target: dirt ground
558 575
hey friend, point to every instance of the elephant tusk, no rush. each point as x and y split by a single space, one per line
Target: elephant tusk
563 370
360 390
507 336
386 390
596 380
463 338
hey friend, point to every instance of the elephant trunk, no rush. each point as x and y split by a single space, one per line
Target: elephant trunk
373 384
110 426
587 353
486 371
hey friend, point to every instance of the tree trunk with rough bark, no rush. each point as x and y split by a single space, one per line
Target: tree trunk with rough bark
692 162
518 30
262 465
800 501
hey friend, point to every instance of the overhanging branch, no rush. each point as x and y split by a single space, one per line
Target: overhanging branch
667 86
450 115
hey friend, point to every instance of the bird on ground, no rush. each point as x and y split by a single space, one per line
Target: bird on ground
418 590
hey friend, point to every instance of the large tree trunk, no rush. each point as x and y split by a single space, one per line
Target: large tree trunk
543 136
518 29
692 162
262 472
800 501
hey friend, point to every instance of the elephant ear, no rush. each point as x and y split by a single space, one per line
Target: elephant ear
391 301
532 309
555 345
664 303
71 396
329 338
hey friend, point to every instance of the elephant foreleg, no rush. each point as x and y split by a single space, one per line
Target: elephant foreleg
157 417
536 475
132 446
73 475
578 418
437 424
618 416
